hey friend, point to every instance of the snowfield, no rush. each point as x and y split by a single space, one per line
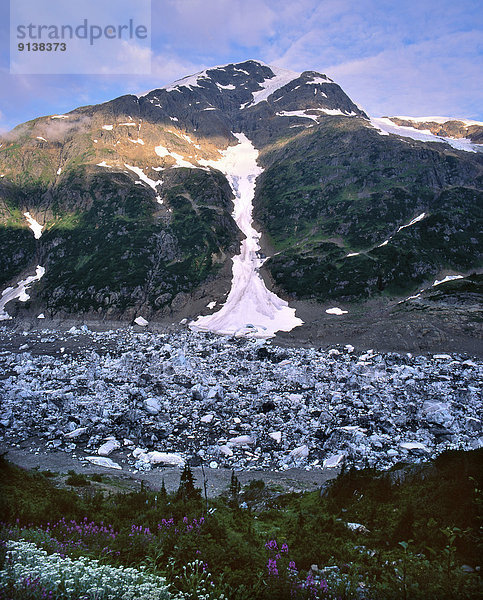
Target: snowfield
250 309
34 225
19 291
386 127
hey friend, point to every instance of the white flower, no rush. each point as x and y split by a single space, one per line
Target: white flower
81 576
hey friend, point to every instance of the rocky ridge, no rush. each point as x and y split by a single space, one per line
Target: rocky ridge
444 127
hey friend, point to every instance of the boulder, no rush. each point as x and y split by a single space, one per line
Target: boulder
226 450
166 459
152 406
108 447
437 412
358 527
300 454
102 461
241 440
336 460
71 435
276 436
414 447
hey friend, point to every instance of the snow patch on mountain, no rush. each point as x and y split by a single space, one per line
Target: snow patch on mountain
296 113
336 112
317 80
162 151
19 291
441 120
415 220
34 226
250 310
336 311
387 127
326 111
447 278
140 173
190 81
272 84
386 242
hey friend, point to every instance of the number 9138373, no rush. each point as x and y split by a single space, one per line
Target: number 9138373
42 47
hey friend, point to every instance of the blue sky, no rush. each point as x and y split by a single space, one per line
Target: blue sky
414 57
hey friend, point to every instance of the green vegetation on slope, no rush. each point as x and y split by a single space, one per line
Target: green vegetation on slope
107 244
344 185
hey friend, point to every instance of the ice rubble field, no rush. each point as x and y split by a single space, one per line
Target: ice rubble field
139 400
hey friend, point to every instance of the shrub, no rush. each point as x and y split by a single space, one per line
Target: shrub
76 479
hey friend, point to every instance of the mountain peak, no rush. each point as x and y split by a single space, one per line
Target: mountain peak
240 71
245 86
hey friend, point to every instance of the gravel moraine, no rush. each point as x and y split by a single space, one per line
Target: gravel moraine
145 400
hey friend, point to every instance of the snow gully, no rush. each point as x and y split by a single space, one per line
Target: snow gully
251 310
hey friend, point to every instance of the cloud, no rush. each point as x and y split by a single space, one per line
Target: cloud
130 58
416 56
434 77
412 58
54 130
165 68
211 26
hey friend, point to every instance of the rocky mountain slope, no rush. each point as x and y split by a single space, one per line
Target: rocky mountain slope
129 209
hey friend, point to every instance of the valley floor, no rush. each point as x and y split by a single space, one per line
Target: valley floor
419 327
217 480
137 401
